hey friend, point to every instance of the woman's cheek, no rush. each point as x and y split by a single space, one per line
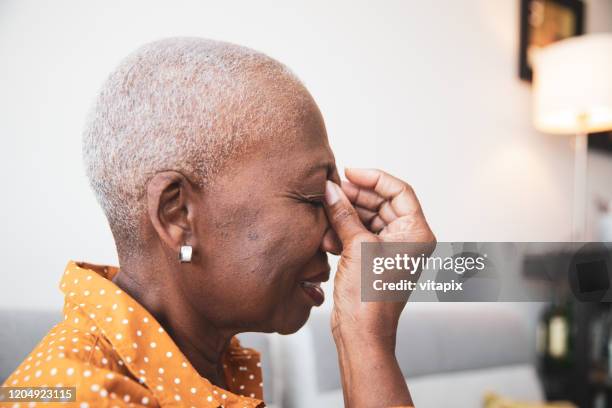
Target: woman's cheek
312 229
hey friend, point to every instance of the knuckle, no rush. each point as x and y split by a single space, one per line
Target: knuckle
407 188
343 214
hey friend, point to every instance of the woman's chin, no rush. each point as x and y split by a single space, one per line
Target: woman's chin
293 323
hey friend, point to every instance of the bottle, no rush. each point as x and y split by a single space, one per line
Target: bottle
555 337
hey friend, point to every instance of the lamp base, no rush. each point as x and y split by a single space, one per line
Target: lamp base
580 188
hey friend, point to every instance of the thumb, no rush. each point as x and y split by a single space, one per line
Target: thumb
341 214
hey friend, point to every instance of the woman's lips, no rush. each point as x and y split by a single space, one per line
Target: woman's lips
313 289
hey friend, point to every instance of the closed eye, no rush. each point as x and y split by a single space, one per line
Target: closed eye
316 203
316 200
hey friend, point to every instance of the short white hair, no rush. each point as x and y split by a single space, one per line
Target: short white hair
183 104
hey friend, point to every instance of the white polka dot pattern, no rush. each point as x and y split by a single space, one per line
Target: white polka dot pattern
117 354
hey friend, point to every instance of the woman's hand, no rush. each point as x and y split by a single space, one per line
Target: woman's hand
372 207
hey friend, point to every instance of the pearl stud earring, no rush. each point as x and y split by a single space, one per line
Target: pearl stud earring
185 253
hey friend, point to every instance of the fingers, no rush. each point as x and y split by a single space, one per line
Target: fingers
368 202
362 197
371 219
402 198
386 212
366 216
377 225
341 214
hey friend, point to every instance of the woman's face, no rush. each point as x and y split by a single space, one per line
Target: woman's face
260 229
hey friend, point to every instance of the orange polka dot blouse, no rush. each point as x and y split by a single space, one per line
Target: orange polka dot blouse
117 355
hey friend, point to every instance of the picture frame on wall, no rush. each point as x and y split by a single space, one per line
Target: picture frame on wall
543 22
601 142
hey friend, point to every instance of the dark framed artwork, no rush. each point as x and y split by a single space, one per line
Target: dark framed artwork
601 141
544 22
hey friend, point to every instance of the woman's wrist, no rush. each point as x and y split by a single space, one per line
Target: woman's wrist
361 353
352 334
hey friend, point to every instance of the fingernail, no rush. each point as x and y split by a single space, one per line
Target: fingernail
332 195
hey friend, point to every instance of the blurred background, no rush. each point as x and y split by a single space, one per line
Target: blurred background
434 92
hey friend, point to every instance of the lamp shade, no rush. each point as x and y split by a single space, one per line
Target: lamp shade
573 85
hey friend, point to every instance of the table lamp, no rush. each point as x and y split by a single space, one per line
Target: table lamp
572 92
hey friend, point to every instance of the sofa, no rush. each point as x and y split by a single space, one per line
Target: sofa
448 352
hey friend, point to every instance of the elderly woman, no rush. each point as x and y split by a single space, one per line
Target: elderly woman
212 165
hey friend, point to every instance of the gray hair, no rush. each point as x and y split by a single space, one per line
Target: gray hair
184 104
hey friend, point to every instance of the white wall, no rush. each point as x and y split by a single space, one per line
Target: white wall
425 89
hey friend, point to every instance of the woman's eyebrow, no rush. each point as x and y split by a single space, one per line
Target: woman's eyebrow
313 196
313 170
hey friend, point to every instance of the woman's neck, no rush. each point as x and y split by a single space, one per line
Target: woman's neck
201 342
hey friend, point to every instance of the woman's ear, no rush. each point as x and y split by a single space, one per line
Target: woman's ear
170 205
